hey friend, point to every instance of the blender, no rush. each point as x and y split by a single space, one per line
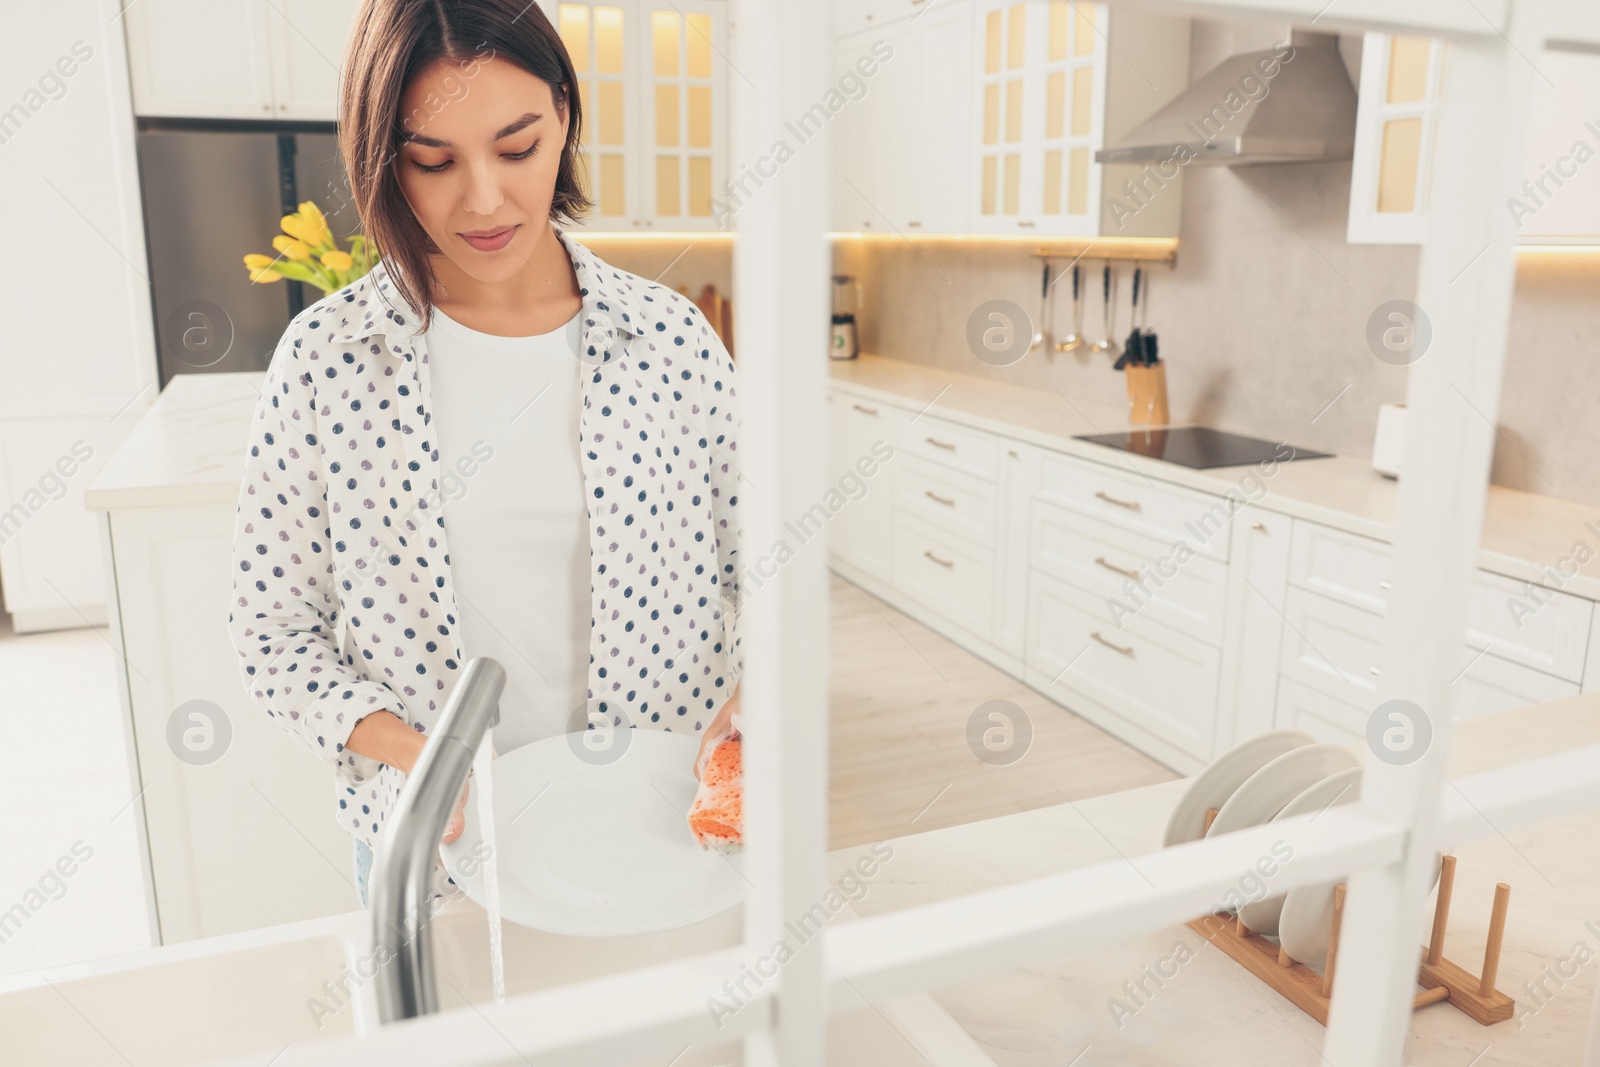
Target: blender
844 343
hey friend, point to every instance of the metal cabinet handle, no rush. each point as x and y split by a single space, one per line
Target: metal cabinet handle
864 409
936 559
1116 569
1131 505
1259 525
913 222
946 501
1376 672
1012 453
940 444
1383 585
1115 648
1025 223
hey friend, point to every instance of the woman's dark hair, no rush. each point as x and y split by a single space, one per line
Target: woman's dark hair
391 42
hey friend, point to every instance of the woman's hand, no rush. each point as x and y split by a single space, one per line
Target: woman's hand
458 818
718 728
384 736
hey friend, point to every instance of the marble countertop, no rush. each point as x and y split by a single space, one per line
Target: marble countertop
1523 532
1212 1012
188 448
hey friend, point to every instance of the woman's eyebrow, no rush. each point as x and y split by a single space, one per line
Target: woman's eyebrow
411 137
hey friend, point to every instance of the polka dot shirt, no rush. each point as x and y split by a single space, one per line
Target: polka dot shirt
342 602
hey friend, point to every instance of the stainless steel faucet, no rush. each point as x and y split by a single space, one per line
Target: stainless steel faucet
406 852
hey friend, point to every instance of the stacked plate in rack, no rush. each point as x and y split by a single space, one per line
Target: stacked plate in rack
1275 775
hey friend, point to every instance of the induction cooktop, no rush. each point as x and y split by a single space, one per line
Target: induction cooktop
1201 447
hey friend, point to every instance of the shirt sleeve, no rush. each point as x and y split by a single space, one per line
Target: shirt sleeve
284 615
723 427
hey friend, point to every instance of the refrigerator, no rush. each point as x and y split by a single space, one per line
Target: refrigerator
214 191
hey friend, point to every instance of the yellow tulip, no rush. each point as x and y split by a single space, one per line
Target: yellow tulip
264 276
337 260
255 261
310 213
299 228
291 248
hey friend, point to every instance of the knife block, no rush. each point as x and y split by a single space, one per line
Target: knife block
1147 394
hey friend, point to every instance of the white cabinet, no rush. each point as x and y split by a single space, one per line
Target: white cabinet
245 59
1559 200
898 144
1144 682
945 572
1068 574
305 42
1054 82
1257 587
853 16
654 90
861 436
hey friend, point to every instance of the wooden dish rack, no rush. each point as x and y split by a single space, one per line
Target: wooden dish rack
1442 980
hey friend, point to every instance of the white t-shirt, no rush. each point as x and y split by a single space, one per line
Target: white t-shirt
506 421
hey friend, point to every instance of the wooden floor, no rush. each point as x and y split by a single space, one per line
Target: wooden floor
901 698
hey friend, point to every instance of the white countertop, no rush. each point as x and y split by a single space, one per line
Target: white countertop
1522 531
189 449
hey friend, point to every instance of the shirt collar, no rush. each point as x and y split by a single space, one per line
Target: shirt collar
372 305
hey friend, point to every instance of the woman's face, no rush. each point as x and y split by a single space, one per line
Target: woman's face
478 161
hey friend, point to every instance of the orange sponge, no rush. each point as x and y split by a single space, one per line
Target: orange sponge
716 817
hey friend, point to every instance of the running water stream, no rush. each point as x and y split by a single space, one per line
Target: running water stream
483 776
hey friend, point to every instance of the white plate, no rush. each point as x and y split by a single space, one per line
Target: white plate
1307 917
1261 916
598 850
1265 792
1213 786
1304 923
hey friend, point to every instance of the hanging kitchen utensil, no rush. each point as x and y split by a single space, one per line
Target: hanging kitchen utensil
1044 295
1075 340
1108 321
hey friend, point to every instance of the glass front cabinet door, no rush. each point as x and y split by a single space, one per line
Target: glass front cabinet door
653 80
1395 119
1055 81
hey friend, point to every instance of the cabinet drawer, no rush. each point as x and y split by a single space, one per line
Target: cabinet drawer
1167 513
952 500
1331 647
1151 675
944 573
1328 720
1334 649
1493 685
950 444
1136 572
1548 634
1346 567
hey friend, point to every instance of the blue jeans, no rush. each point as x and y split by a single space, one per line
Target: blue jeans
363 864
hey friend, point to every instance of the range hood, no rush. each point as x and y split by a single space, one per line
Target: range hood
1292 104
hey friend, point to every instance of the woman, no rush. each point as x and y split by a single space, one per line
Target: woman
494 444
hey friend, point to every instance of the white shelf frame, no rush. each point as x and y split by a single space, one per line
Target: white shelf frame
1385 845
